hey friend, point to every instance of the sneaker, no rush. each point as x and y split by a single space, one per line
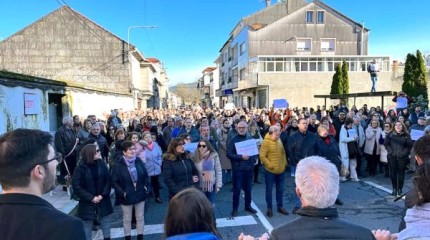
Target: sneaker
355 179
295 209
234 213
282 211
342 179
251 210
269 212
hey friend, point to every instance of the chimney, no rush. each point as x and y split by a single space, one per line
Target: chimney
268 3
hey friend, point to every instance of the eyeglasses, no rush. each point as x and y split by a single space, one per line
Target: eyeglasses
58 157
202 146
387 126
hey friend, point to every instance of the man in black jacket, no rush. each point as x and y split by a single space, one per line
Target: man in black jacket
101 141
300 145
317 183
242 167
27 170
65 143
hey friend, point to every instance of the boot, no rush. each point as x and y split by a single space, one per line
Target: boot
394 184
127 237
386 170
139 236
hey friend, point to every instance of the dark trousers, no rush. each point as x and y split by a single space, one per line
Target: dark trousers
155 183
256 172
279 180
397 172
242 179
71 164
372 161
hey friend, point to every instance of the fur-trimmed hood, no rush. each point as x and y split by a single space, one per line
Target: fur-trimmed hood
173 157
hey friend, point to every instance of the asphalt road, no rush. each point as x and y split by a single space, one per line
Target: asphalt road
367 203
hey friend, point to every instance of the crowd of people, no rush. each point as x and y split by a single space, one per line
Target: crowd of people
193 153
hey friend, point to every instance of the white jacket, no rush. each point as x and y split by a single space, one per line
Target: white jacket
343 143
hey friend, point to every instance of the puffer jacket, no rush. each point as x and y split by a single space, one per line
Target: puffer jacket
122 183
315 223
83 186
398 145
272 155
178 172
153 160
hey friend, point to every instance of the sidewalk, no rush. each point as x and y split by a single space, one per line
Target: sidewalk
60 200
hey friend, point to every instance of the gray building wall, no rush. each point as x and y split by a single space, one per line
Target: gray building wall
68 47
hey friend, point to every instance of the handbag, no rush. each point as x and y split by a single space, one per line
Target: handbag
352 147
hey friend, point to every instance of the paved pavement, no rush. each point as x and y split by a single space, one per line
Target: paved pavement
366 203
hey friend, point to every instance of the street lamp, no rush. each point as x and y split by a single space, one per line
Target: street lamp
128 33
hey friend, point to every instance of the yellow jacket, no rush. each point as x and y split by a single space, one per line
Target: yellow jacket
272 155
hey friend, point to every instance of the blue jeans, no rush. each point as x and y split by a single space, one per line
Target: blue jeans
211 196
374 80
242 179
279 180
104 225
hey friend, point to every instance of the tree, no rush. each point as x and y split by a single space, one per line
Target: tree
345 79
421 80
187 92
337 80
415 76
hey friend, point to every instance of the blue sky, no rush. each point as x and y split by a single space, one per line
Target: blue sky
190 33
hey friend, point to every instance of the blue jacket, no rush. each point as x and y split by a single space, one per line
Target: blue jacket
237 163
194 236
301 146
153 160
195 136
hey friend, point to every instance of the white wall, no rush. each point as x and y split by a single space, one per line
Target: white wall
12 109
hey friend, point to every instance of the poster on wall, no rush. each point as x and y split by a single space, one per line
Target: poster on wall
31 103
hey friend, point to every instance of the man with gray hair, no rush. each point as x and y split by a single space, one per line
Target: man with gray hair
101 141
65 143
317 185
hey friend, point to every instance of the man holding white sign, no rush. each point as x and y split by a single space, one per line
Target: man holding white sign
242 162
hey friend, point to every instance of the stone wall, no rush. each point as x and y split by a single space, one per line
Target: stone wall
68 47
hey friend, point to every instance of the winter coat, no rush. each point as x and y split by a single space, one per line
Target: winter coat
398 146
153 160
361 135
122 183
83 186
194 135
417 221
371 137
215 169
65 139
330 150
272 155
178 172
222 151
301 145
102 143
315 223
236 160
343 143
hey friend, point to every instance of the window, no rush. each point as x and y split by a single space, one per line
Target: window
304 44
309 16
320 17
242 48
242 73
328 44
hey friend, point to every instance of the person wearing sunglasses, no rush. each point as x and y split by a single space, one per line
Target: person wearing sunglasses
210 174
179 171
28 164
91 183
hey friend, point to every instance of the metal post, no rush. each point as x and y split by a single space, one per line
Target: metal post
128 34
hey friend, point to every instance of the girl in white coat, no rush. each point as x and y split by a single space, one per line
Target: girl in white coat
348 160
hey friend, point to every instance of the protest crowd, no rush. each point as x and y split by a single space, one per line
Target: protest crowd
193 152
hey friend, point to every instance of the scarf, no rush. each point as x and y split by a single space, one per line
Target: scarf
326 140
131 166
150 146
208 170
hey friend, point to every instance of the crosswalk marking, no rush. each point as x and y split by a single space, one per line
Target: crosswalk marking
159 228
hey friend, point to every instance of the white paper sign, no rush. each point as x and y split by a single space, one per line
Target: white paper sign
416 134
191 147
247 148
351 132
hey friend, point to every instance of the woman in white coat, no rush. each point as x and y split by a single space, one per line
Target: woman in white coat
372 148
348 159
